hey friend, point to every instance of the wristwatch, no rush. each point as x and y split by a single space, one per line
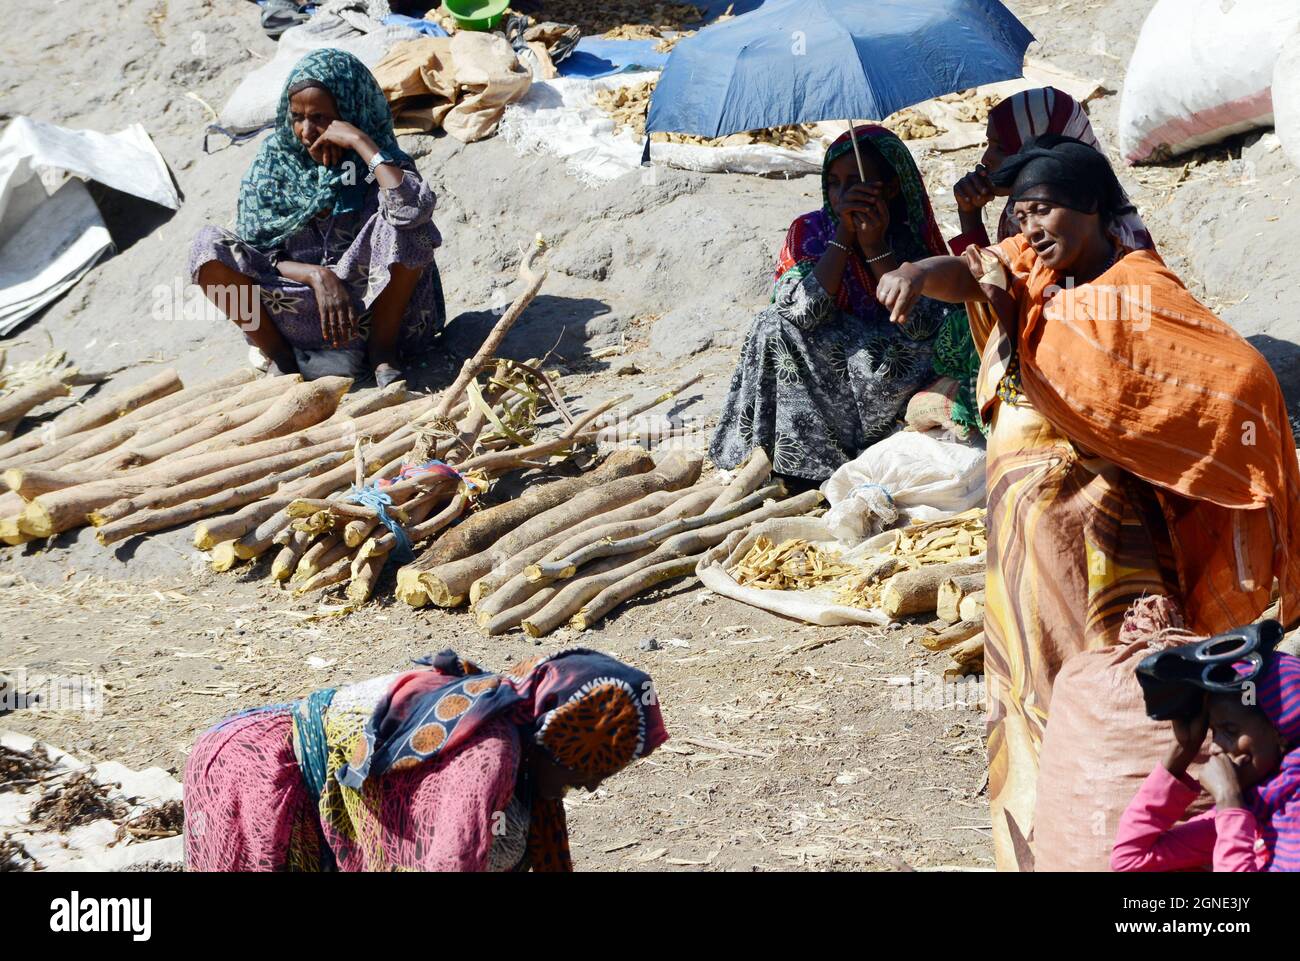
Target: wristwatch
376 160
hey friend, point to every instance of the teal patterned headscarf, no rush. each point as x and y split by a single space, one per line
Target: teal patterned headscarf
285 188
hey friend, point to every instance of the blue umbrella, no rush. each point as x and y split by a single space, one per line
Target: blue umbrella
803 61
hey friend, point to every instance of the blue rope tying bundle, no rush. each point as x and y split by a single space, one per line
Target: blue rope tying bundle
379 502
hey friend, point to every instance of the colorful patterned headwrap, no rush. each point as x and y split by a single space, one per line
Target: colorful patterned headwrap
1276 802
913 238
284 187
593 714
1045 110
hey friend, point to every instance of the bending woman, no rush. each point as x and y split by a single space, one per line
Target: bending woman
1138 445
444 768
823 374
334 239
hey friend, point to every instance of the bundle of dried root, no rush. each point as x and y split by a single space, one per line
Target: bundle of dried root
625 19
943 541
164 821
667 43
793 565
80 800
911 124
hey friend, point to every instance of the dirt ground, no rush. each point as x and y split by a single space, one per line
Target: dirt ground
792 747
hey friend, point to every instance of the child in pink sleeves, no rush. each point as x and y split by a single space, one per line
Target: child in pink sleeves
1253 774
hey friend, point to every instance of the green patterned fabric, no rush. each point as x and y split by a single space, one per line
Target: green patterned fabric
285 188
955 357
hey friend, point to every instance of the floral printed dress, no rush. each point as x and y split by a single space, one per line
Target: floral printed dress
815 385
821 378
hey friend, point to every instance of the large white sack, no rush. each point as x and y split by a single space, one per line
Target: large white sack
907 476
1202 71
252 105
1286 98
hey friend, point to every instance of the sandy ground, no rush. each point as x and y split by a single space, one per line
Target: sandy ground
792 746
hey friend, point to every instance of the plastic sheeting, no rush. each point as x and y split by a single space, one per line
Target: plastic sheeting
817 606
560 118
48 241
925 477
908 476
597 57
1202 70
90 847
252 105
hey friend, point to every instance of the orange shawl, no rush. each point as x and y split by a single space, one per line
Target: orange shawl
1133 368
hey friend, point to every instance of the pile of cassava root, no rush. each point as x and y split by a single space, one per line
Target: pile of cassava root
569 552
328 485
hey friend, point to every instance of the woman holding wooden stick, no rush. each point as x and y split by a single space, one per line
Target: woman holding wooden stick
334 240
441 768
1137 445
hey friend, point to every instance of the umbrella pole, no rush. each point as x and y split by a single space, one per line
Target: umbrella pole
857 152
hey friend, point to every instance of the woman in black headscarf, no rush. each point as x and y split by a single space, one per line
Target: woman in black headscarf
1118 407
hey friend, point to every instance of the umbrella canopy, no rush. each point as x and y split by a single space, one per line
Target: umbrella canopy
802 61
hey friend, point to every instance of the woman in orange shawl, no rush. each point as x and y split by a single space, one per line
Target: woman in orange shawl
1137 445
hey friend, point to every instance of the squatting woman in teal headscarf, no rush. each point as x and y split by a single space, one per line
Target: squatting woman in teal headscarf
823 373
330 267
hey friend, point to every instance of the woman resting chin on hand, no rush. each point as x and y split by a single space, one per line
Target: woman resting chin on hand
334 239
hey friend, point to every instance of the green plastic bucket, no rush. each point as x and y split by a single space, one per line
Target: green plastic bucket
476 14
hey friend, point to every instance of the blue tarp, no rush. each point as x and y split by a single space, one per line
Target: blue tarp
597 57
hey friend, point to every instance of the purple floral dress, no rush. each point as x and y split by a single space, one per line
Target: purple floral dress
394 226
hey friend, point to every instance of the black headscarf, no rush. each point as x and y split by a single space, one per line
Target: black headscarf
1066 172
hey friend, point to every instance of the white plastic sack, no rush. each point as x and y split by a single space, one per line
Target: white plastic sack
252 106
1202 70
1286 98
908 476
559 117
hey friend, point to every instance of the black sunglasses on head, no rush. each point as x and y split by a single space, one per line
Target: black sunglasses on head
1174 681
